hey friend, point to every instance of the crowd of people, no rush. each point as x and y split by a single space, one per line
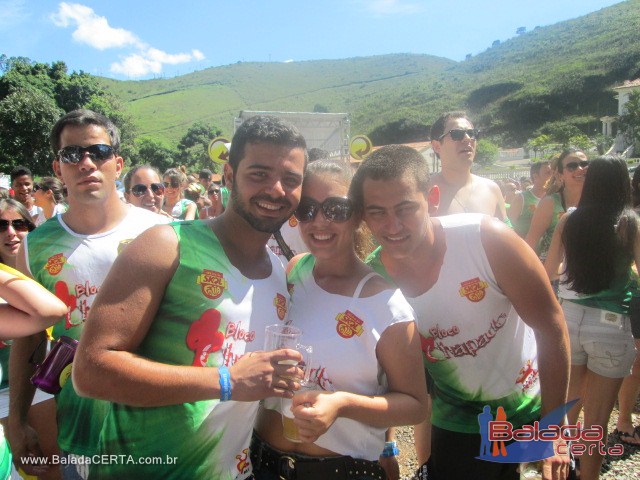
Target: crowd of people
428 300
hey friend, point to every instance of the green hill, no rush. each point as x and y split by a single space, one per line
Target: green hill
560 72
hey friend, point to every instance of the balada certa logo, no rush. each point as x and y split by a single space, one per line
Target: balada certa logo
501 442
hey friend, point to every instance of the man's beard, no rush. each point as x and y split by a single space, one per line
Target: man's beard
265 225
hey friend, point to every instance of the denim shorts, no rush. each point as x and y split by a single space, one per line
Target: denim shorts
601 340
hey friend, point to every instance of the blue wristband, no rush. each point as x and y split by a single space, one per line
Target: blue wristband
225 384
390 449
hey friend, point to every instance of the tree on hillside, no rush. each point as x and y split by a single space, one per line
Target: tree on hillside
486 152
193 149
154 153
400 131
630 120
26 118
33 96
112 108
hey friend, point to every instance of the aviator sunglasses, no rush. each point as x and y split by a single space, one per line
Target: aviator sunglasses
19 225
334 209
74 153
140 189
573 166
458 134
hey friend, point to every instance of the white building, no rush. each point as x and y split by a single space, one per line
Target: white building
623 92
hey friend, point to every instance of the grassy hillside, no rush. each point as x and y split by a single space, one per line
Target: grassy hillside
564 71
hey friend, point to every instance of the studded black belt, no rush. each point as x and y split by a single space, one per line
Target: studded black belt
292 466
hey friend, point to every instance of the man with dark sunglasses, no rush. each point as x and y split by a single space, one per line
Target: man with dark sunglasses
172 338
70 255
454 141
493 331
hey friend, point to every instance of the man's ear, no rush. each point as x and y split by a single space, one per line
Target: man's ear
55 166
435 146
228 176
433 198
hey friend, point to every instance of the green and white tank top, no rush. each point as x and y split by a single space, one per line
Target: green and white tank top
210 316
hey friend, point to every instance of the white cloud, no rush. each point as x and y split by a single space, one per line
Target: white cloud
150 61
91 28
288 61
95 31
14 12
390 7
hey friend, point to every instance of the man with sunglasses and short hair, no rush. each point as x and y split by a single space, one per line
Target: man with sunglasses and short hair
172 338
493 331
70 255
454 141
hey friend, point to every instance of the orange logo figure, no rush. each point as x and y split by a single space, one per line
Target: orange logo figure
348 325
55 263
527 376
498 446
293 221
473 289
281 305
243 461
212 283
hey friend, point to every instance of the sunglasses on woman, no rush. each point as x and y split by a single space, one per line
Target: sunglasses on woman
214 191
334 209
140 189
171 184
19 225
458 134
73 153
573 166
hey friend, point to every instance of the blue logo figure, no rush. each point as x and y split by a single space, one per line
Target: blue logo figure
483 420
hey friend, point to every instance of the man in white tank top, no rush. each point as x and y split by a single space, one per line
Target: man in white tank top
493 332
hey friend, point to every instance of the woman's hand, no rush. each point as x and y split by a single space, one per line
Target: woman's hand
314 412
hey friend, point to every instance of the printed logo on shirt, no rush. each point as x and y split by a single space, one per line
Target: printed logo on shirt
280 303
473 289
348 325
528 376
290 288
123 243
244 462
212 283
55 263
204 338
293 222
532 208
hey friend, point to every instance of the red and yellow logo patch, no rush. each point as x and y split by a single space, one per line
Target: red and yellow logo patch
280 303
55 263
212 283
349 325
293 221
473 289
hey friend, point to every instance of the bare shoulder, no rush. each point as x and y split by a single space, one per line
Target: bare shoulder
155 247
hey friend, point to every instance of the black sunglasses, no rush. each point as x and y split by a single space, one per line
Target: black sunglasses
74 153
214 190
19 225
573 166
458 134
140 189
171 184
334 209
37 187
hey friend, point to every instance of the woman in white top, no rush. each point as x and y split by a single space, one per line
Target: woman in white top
174 204
366 364
49 196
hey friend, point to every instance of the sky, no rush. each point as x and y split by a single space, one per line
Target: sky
141 39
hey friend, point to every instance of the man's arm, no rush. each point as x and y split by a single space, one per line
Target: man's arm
105 366
524 281
515 208
522 278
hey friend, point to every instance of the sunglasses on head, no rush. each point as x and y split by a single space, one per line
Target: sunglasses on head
19 225
74 153
140 189
172 184
334 209
37 187
573 166
458 134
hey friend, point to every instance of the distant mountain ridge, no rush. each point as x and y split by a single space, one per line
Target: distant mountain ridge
560 72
